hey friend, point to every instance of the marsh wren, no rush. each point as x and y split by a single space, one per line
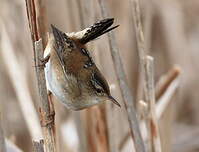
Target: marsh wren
71 73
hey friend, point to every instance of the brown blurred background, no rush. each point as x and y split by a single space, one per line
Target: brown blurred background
171 30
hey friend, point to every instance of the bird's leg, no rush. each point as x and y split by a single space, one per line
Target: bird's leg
50 95
44 60
50 100
49 118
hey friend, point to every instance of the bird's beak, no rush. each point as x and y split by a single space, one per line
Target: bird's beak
114 101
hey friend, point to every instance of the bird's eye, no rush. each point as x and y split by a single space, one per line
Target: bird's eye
99 91
99 84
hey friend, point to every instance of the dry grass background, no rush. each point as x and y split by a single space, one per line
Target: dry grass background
171 30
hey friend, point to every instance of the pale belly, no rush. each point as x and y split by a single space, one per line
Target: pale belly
59 86
54 85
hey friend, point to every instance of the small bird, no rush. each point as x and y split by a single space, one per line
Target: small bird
70 71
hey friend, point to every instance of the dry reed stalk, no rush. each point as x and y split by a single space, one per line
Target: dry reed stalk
140 46
165 90
165 81
41 20
37 23
36 13
126 93
47 109
152 123
2 139
146 80
97 130
169 83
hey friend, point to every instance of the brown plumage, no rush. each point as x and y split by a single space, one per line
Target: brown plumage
71 73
